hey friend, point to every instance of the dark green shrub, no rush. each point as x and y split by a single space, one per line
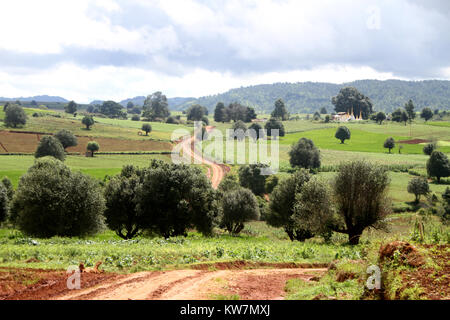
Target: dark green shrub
250 177
66 138
304 154
50 146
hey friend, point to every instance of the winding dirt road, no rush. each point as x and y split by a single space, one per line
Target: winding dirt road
195 285
216 171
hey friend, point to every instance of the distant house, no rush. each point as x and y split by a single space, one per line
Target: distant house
347 116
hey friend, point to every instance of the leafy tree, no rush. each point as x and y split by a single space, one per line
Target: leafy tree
51 200
146 127
274 124
196 112
380 117
342 133
14 116
438 165
135 110
426 114
121 205
238 206
409 107
174 198
256 131
88 121
349 98
271 183
282 201
360 197
71 107
66 138
304 154
9 187
135 117
50 146
4 203
156 106
220 114
250 115
5 106
400 115
239 129
429 148
112 109
205 120
130 105
230 182
418 186
389 144
323 110
90 109
93 147
313 208
280 110
250 177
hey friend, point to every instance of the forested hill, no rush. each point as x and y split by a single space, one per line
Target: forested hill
308 97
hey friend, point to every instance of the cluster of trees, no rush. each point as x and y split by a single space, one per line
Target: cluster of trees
305 206
235 111
350 99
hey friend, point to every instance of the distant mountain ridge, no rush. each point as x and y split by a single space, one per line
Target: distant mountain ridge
41 98
308 97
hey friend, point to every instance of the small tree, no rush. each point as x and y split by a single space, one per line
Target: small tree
238 207
250 177
230 182
9 187
429 148
282 202
51 200
255 131
66 138
135 117
274 124
50 146
389 144
280 110
271 183
304 154
418 186
121 207
93 147
380 117
323 110
15 116
438 165
147 128
71 107
88 121
3 203
426 114
360 197
342 133
239 129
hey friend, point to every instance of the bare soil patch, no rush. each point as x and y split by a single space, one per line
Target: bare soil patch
413 141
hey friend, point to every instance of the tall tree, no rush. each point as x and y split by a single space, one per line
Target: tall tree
409 107
426 114
195 112
220 113
280 110
350 99
156 106
71 107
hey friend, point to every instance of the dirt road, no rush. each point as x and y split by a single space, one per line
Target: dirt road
216 171
195 285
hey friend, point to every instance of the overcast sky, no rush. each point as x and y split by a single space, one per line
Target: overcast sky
112 49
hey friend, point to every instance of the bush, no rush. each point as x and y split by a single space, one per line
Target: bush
254 131
172 120
274 124
238 206
66 138
360 197
429 148
304 154
438 165
174 198
389 144
342 133
50 146
88 121
418 186
282 201
135 117
250 177
121 207
14 116
93 147
271 183
239 129
230 182
51 200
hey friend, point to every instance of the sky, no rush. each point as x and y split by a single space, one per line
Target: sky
111 49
